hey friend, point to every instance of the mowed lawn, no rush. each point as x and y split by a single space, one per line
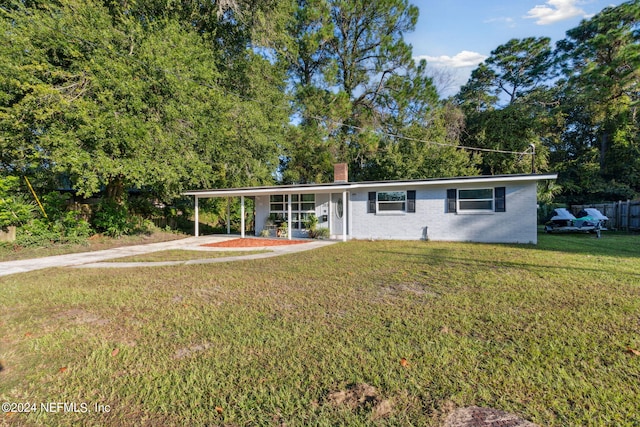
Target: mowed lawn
549 332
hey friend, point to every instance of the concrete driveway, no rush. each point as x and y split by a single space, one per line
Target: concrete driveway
97 259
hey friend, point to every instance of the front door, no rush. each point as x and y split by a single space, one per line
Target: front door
338 210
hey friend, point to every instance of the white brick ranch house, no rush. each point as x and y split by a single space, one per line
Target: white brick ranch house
500 208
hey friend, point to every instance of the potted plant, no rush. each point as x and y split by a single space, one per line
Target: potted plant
311 225
265 232
283 229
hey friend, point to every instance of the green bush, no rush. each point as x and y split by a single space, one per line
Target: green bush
112 219
265 233
75 229
311 222
143 226
37 232
55 204
15 208
69 228
321 233
143 206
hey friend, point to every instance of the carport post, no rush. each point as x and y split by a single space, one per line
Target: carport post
242 216
289 217
228 215
196 218
330 216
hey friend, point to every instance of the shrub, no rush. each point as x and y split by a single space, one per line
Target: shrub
15 209
69 228
111 219
75 228
37 232
321 233
143 226
311 222
265 232
55 204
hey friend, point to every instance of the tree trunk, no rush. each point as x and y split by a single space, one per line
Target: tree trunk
115 189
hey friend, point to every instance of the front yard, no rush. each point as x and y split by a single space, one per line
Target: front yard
550 332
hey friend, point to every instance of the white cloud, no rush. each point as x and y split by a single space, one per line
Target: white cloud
449 73
554 11
509 22
460 60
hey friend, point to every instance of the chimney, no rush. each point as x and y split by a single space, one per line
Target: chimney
340 172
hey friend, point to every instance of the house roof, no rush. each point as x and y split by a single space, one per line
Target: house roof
335 187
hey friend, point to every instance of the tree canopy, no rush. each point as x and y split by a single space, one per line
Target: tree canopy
158 95
577 103
108 98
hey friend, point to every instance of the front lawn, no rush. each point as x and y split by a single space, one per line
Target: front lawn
551 333
12 252
184 255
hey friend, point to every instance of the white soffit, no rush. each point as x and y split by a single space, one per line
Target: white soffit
340 187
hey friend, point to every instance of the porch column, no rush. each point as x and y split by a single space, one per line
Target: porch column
330 218
289 217
228 215
196 218
344 216
242 216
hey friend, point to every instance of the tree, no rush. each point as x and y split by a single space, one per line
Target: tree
357 89
520 66
600 61
426 151
515 72
112 100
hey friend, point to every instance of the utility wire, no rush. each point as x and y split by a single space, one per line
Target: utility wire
408 138
264 104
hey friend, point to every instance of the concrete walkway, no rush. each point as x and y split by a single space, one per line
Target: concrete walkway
97 259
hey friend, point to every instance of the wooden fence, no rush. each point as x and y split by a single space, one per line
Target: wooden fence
622 215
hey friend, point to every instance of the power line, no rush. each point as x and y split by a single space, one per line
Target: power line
408 138
264 104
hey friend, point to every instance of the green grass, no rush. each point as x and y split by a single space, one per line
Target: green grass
184 255
12 252
541 331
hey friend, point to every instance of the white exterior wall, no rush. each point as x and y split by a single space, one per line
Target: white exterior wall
431 220
262 212
322 208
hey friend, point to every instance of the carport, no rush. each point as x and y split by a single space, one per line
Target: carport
330 189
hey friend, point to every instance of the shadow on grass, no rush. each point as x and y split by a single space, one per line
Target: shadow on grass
615 244
470 264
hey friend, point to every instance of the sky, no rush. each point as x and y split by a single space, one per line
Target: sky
454 36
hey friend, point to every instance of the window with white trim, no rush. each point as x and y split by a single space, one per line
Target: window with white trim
476 200
302 206
392 201
480 199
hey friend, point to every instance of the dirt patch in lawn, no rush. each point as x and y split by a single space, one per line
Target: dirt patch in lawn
362 396
254 243
81 317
